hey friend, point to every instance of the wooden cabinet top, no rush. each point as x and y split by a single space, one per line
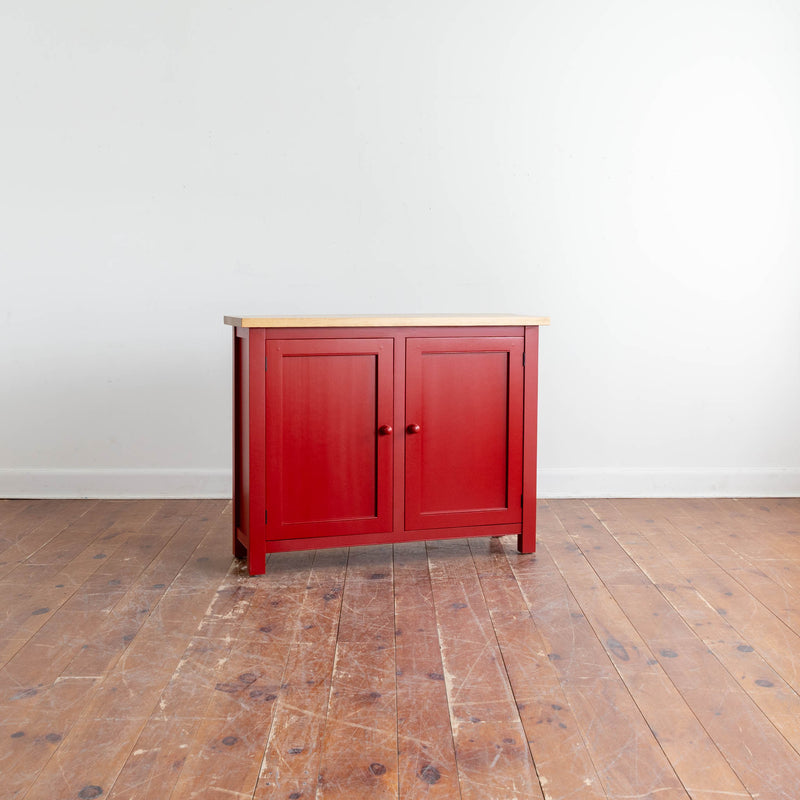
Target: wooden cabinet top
387 321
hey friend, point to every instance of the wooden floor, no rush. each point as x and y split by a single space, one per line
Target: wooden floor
650 649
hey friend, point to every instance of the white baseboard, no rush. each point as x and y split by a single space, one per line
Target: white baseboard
552 483
650 482
114 483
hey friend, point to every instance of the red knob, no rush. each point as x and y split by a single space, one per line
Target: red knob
412 429
385 430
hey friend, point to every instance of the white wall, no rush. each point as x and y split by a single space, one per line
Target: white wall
629 168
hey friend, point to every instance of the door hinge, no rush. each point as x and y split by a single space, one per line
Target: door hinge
265 516
523 359
265 363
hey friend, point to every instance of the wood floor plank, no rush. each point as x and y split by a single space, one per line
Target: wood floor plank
745 547
10 507
33 525
209 602
290 765
597 568
754 621
562 760
140 587
292 753
225 756
648 649
624 750
763 760
96 743
778 518
103 525
777 699
29 736
757 553
73 632
159 751
359 744
49 608
19 517
491 746
761 537
426 751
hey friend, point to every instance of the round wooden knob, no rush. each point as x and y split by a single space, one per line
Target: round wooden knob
412 429
385 430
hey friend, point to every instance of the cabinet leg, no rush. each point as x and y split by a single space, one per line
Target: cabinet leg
257 558
526 541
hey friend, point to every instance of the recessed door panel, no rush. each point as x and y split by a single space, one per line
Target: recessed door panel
330 469
463 436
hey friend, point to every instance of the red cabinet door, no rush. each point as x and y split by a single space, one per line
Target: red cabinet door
329 463
463 436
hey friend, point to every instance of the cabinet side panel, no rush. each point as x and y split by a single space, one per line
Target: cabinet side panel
526 541
241 460
257 453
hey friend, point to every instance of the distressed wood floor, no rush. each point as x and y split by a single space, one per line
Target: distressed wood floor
650 649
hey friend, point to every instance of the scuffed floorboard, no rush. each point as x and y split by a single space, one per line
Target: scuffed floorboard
649 649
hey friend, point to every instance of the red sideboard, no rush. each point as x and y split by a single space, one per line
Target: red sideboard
363 430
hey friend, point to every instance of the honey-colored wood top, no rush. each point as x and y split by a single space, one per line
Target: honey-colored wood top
387 321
